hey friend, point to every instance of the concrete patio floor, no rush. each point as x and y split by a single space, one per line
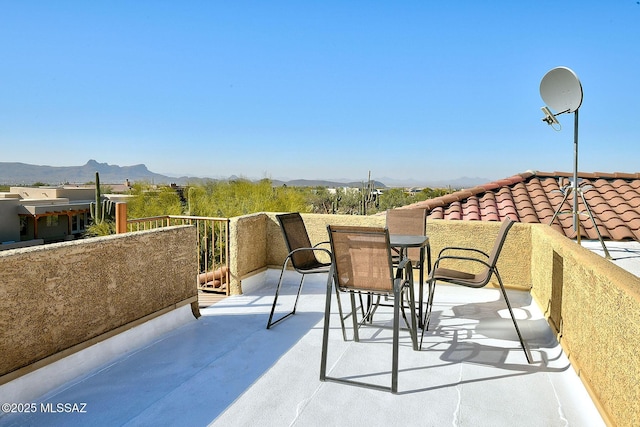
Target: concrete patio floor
226 369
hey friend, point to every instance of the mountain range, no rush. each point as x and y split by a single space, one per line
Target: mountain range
14 173
26 174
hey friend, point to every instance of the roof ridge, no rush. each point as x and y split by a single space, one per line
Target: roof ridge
589 175
465 193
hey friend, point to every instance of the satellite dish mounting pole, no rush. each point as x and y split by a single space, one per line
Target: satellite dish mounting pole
576 219
562 91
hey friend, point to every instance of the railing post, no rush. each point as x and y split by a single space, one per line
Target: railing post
121 218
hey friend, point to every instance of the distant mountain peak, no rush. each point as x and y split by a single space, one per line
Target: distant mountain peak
26 174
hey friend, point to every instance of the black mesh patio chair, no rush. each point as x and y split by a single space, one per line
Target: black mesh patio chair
472 280
302 256
362 264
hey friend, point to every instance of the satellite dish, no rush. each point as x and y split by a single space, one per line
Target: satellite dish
560 89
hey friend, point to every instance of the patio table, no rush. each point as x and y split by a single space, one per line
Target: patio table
405 241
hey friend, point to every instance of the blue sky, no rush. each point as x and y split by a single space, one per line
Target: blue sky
420 90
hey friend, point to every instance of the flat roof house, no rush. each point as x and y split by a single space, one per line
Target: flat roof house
36 215
47 214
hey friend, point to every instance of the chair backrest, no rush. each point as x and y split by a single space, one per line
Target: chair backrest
497 246
296 237
408 221
362 258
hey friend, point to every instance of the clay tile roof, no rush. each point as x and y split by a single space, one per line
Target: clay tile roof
534 197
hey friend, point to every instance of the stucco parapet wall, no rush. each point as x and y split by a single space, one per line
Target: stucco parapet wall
257 243
247 248
594 305
58 296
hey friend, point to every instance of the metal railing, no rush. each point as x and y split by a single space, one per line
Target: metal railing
212 248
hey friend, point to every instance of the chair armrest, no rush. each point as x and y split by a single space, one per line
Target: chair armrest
402 265
314 249
459 258
404 272
321 243
456 248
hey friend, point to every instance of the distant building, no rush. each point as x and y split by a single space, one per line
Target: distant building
36 215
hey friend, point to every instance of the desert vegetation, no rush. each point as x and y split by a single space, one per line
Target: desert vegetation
242 197
225 199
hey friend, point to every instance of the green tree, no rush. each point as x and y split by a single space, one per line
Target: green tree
151 201
430 193
394 198
322 200
350 200
226 199
242 197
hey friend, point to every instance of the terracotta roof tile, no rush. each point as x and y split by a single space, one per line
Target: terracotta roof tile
437 213
506 205
471 209
454 211
534 197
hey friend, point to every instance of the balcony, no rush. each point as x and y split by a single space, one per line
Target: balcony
226 368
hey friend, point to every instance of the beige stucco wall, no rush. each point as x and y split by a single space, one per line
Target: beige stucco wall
56 297
9 220
595 307
247 248
46 192
256 243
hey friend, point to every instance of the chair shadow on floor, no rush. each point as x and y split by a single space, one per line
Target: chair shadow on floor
476 333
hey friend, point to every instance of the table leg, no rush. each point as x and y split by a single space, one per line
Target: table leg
421 296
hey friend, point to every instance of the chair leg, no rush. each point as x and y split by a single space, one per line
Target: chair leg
295 304
414 321
270 322
396 333
398 300
432 291
344 330
367 316
427 319
361 304
396 337
413 326
421 286
354 317
506 298
325 334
